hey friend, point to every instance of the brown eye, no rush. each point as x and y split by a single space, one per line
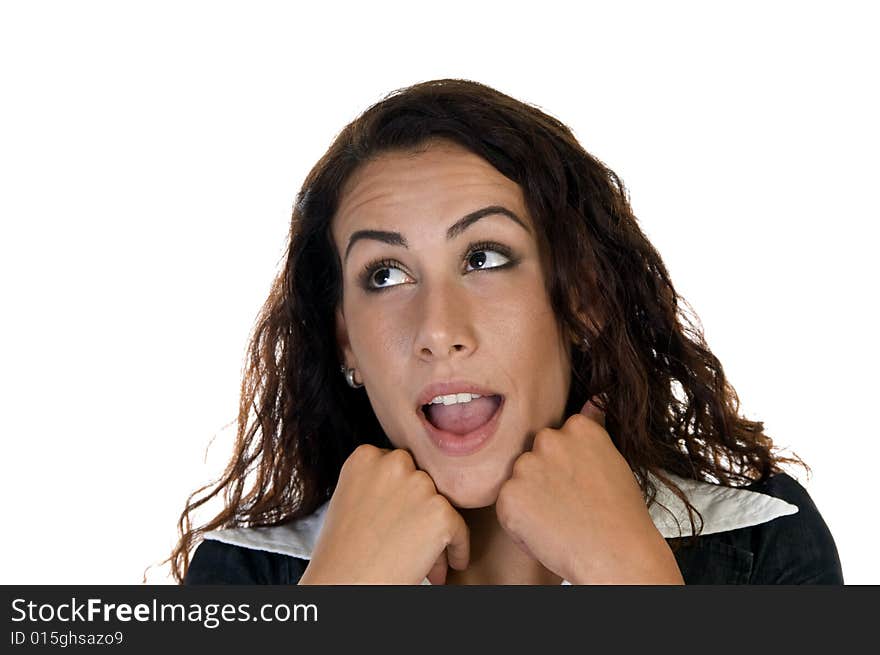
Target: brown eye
381 276
487 258
478 259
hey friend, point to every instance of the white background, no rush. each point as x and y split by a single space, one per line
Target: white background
149 158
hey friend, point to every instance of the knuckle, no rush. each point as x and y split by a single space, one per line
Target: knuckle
450 516
580 421
439 506
586 425
443 515
363 453
545 439
452 522
423 482
400 461
523 463
366 449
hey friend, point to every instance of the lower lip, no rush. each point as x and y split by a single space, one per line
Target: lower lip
458 445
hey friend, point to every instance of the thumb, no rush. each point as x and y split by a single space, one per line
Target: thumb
437 575
592 412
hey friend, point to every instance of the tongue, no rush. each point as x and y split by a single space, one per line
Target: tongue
462 418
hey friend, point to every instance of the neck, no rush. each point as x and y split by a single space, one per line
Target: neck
494 558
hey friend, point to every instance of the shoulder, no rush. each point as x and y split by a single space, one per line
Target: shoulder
782 485
796 548
216 562
257 555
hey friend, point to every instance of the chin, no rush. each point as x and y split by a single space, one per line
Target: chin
467 494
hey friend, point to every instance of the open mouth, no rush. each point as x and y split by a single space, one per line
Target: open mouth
461 418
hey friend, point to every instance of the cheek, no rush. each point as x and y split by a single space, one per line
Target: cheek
378 338
381 344
543 368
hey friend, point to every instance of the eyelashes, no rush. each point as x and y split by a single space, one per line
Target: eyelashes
367 279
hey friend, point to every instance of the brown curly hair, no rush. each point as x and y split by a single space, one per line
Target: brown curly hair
668 404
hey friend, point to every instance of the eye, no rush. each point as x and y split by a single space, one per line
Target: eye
383 275
483 258
388 273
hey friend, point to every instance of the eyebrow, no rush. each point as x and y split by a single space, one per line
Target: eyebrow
397 239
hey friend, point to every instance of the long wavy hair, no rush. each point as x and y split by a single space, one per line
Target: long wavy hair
668 405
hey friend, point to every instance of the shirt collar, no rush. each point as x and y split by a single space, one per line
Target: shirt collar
722 509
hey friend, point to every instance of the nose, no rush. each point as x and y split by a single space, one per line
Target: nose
445 327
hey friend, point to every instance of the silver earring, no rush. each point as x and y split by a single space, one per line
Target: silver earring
349 377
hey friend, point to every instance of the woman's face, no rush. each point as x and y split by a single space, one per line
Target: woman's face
427 303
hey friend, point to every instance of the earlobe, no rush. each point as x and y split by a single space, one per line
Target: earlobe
348 363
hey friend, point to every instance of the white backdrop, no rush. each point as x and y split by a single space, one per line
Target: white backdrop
150 154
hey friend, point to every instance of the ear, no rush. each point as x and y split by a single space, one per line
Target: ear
343 344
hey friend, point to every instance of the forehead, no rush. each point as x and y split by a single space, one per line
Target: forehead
434 185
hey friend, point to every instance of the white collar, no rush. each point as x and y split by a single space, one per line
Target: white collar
722 509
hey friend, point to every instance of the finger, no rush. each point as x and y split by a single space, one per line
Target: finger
593 413
437 575
458 550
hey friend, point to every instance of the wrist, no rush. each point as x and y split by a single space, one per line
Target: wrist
655 569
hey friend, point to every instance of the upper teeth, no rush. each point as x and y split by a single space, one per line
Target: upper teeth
454 398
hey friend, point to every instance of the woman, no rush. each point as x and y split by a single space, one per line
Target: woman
474 369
